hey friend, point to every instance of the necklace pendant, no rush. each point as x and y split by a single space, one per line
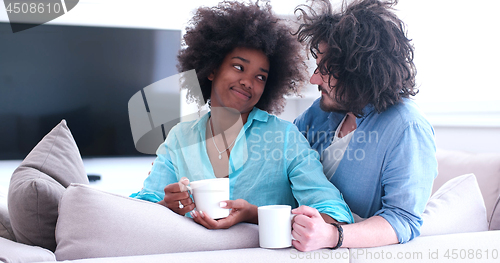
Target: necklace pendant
220 156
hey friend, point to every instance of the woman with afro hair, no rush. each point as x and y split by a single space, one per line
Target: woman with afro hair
246 61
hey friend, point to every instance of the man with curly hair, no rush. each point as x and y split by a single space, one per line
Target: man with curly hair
376 147
245 60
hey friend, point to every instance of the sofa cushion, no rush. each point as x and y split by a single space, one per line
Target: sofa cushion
486 167
5 227
11 251
93 223
38 183
457 207
246 255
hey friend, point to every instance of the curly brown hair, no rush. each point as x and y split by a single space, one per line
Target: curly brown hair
215 31
368 52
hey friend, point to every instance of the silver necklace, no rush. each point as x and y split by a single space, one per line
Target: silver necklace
212 133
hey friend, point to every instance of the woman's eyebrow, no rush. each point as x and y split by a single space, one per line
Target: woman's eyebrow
242 59
248 61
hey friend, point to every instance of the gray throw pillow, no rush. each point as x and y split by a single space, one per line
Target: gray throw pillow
37 185
93 224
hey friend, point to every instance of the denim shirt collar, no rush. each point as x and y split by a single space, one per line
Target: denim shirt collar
335 118
367 110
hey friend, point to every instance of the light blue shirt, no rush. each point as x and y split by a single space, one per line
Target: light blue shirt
389 165
271 163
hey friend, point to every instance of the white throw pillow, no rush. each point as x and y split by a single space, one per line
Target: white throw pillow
93 223
457 207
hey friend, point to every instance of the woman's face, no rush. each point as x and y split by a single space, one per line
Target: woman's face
240 80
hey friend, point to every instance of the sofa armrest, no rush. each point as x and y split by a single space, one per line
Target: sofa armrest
11 251
464 247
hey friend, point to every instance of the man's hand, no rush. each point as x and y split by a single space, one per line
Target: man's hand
177 194
310 230
241 211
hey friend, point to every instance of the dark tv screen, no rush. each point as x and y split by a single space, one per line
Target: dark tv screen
83 74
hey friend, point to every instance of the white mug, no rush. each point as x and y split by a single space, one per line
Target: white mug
208 194
275 226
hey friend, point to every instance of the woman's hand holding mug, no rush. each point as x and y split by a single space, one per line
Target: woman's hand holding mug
241 211
177 197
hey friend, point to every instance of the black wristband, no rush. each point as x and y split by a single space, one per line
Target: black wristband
341 235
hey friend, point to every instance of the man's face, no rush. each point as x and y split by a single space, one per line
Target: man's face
327 102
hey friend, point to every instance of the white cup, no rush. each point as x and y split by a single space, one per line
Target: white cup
275 226
208 194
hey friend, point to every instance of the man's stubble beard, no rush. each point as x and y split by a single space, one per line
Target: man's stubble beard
330 108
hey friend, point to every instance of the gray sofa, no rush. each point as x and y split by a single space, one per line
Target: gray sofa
52 214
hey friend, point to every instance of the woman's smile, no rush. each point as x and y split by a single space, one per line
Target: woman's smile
241 93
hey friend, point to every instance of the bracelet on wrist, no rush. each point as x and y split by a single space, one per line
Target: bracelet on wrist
341 235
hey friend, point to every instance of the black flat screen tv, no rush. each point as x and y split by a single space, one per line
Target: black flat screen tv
83 74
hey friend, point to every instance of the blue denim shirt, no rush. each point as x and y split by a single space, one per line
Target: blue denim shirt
389 165
270 163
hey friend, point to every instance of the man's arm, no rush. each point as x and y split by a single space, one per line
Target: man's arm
372 232
313 230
